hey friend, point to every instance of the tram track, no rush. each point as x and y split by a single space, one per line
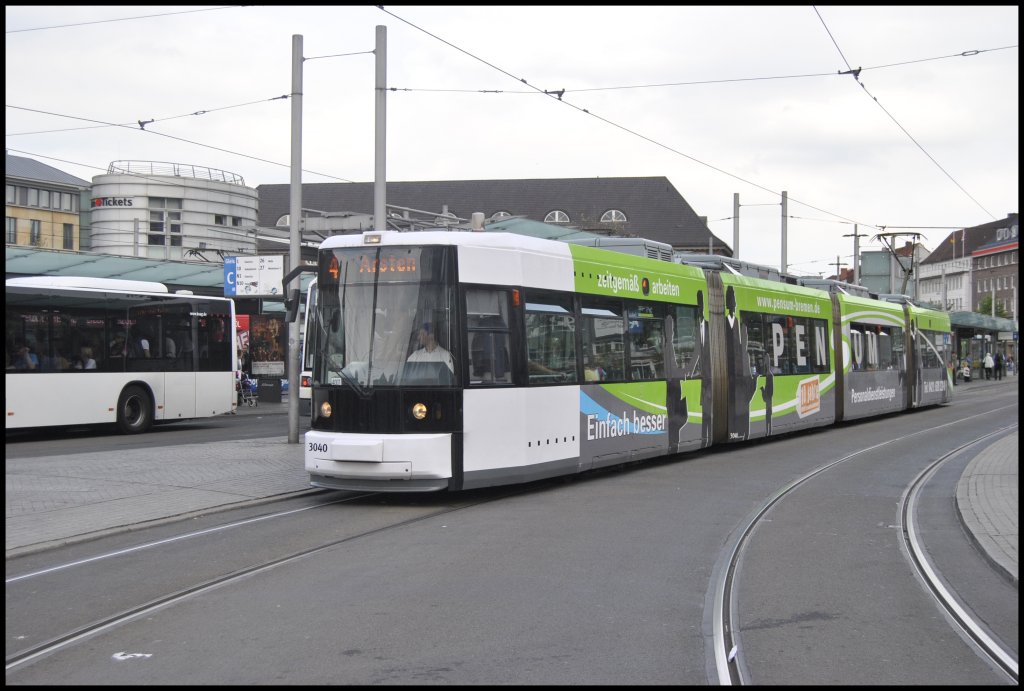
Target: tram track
945 596
727 650
126 615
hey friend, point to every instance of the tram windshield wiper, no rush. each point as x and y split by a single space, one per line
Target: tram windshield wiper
362 390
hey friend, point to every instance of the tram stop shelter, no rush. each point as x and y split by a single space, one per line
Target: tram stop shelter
975 334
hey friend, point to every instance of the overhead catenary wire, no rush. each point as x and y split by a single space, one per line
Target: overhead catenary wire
856 76
560 94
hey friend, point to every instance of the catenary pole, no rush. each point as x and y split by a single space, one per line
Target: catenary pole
785 231
295 233
380 139
736 225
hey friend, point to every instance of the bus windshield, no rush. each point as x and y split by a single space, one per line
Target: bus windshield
386 318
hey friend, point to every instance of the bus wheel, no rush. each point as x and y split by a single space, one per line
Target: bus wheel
134 411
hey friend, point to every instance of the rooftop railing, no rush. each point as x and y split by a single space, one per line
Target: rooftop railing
179 170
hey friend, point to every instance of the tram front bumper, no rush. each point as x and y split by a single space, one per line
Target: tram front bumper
382 457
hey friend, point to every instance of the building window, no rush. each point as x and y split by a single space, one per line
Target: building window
156 226
12 230
69 236
556 216
35 233
284 221
33 196
613 216
220 220
174 224
162 219
12 194
236 221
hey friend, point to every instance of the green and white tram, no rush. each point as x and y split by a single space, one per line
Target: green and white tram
457 360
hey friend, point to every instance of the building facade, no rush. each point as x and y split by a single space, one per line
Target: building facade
884 271
171 211
995 266
43 204
972 264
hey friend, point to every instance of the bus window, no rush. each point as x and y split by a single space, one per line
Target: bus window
90 334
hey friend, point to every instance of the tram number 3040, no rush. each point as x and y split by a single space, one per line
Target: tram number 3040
320 447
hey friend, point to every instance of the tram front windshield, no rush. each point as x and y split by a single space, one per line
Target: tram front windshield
386 318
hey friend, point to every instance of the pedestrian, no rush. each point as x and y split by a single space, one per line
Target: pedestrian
998 365
988 363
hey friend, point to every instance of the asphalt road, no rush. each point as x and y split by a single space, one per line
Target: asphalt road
602 579
267 420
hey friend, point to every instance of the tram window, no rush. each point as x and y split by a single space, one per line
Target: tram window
782 344
818 343
858 359
899 347
785 344
550 338
646 342
686 339
488 336
603 332
800 353
885 355
871 347
485 307
754 331
932 349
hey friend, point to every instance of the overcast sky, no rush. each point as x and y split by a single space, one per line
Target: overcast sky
728 100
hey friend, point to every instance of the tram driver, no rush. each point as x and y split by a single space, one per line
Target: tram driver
430 350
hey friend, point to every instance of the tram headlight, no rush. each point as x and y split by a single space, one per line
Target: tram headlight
419 411
325 409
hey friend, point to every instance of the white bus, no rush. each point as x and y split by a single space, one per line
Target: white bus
89 351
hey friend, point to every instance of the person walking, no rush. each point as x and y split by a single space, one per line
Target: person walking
998 362
988 363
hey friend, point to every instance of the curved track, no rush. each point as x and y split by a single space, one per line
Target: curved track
729 663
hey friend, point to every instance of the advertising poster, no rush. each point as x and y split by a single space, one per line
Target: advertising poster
242 332
267 344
